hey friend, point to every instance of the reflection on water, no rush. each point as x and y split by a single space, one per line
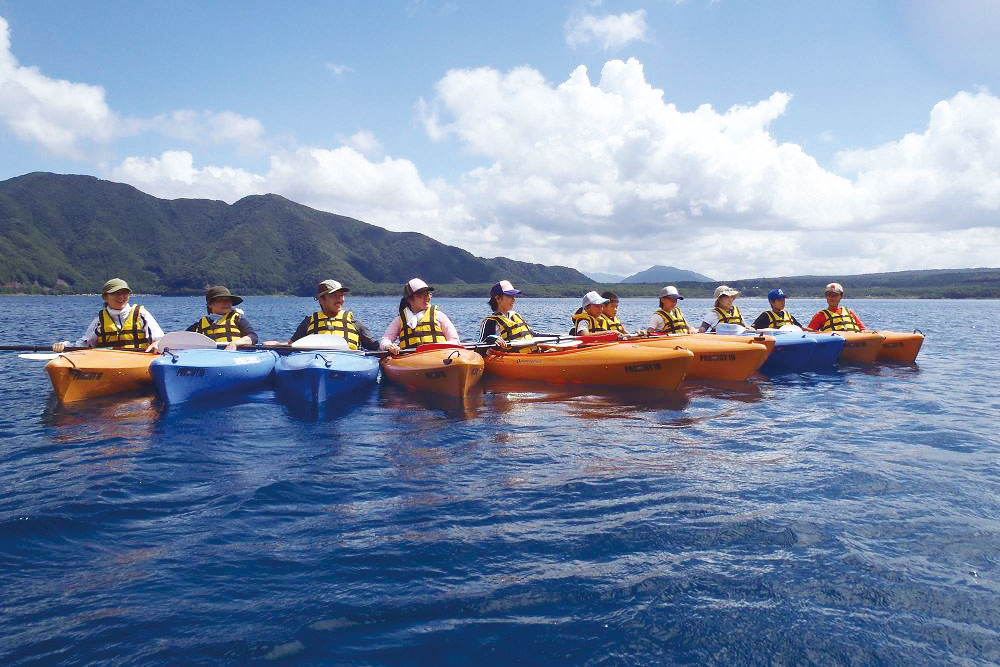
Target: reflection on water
460 408
124 417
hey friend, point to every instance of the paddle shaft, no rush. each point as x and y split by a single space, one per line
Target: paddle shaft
38 348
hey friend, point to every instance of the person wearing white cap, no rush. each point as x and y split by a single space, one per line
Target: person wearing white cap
119 325
332 319
504 325
589 317
836 317
724 311
418 321
668 318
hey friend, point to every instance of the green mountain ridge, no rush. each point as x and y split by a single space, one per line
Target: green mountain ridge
69 233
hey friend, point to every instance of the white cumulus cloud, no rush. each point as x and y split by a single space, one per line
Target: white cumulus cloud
611 176
58 115
609 32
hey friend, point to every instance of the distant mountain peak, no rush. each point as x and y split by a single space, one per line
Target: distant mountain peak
667 274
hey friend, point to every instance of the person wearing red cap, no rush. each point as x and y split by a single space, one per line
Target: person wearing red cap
836 317
504 325
418 321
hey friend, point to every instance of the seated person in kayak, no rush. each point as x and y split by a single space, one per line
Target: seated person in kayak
836 317
668 318
119 325
589 317
418 321
777 317
724 311
504 326
224 323
332 319
610 312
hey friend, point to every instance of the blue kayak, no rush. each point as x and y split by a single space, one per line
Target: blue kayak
182 375
315 377
793 353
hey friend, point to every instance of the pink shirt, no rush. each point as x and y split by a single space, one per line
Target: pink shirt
391 334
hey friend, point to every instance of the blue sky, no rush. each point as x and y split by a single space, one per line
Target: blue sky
733 139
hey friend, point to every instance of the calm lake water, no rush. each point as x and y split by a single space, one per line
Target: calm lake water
849 517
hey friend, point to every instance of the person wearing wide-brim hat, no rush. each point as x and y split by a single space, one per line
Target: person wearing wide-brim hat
333 319
668 318
225 323
418 321
724 311
119 324
777 316
835 317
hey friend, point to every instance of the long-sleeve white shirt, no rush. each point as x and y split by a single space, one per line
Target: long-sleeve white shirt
153 330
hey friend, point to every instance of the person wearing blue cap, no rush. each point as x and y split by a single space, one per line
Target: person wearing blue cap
504 325
777 317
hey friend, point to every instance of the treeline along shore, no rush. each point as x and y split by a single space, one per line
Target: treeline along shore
67 234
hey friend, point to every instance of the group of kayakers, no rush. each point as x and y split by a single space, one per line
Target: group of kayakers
123 325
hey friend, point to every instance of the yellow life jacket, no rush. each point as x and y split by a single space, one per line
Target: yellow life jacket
594 324
841 321
131 336
510 328
224 330
778 320
426 331
735 317
613 324
673 321
341 324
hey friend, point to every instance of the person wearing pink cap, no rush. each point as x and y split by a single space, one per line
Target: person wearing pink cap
668 318
418 321
504 325
836 317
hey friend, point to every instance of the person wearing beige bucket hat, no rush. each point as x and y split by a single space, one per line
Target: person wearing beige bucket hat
418 322
724 311
333 319
224 323
119 324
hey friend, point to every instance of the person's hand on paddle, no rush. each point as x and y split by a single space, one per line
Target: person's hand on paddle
152 347
501 343
60 346
393 349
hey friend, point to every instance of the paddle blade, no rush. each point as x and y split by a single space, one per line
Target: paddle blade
184 340
322 342
39 356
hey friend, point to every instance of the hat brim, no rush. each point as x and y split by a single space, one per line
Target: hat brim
342 289
237 300
675 297
511 292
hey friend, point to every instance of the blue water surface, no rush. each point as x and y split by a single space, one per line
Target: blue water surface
847 517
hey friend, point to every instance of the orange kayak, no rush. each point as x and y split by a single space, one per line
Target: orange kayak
900 346
436 368
716 359
615 364
862 347
87 373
